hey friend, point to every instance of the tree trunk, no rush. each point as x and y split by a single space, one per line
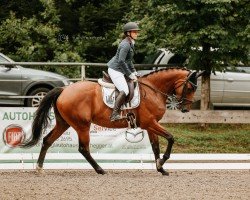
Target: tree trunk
205 92
205 95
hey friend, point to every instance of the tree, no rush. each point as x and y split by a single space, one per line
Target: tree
61 30
97 23
210 33
36 38
20 7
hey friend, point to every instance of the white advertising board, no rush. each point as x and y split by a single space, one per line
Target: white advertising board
15 126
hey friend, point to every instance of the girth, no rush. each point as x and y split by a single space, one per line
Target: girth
131 86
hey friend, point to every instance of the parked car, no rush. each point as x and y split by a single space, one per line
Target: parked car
228 89
17 82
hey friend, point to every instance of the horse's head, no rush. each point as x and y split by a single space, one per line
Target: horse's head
184 91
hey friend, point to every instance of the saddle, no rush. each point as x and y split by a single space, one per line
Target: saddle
131 85
110 92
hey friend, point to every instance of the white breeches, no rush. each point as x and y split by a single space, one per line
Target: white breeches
119 80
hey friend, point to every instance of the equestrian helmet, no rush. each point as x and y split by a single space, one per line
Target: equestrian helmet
130 26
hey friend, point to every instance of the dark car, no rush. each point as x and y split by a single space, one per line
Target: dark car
25 86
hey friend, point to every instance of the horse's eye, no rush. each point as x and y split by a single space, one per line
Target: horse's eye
189 90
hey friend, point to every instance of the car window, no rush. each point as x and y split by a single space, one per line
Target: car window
3 59
150 59
177 59
238 69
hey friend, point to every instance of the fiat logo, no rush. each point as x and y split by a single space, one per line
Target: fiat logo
13 135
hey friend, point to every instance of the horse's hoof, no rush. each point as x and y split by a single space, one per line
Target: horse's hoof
101 171
159 163
163 172
39 170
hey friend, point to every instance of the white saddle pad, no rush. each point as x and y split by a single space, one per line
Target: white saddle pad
109 98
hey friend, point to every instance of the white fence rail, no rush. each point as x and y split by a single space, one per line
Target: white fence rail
208 116
126 161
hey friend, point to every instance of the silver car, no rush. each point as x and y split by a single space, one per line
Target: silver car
228 89
24 86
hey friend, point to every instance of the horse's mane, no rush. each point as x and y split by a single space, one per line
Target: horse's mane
165 69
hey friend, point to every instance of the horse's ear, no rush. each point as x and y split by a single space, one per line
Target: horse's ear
200 73
192 77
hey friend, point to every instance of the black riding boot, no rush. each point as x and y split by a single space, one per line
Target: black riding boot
120 99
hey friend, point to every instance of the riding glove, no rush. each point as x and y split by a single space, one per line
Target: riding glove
133 77
135 73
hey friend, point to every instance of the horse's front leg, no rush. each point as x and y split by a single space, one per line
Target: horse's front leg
156 149
157 129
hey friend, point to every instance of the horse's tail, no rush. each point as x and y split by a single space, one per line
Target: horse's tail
41 117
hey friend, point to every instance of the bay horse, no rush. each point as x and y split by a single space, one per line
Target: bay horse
80 104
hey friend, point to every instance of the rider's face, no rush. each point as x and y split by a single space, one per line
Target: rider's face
134 34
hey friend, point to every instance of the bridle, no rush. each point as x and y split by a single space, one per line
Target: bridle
180 101
184 100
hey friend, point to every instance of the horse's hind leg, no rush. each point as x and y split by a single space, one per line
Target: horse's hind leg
49 139
84 139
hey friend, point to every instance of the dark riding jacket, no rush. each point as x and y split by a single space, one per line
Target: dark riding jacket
122 61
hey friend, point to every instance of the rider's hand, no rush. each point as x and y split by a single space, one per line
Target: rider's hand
133 77
135 73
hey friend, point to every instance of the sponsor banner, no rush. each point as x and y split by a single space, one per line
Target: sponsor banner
15 127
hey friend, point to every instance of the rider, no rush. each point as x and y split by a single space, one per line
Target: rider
121 65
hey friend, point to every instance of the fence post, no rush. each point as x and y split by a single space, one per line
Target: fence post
83 73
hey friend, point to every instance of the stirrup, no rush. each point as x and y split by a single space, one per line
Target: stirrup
116 115
116 118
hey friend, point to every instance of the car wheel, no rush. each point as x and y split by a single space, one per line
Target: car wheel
172 103
35 101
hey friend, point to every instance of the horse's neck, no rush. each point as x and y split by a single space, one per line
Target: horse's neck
165 80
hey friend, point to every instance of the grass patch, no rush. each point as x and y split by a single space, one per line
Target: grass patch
216 138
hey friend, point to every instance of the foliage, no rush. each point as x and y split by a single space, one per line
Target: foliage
60 30
208 32
20 7
36 38
75 30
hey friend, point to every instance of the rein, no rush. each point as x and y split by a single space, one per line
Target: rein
154 89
